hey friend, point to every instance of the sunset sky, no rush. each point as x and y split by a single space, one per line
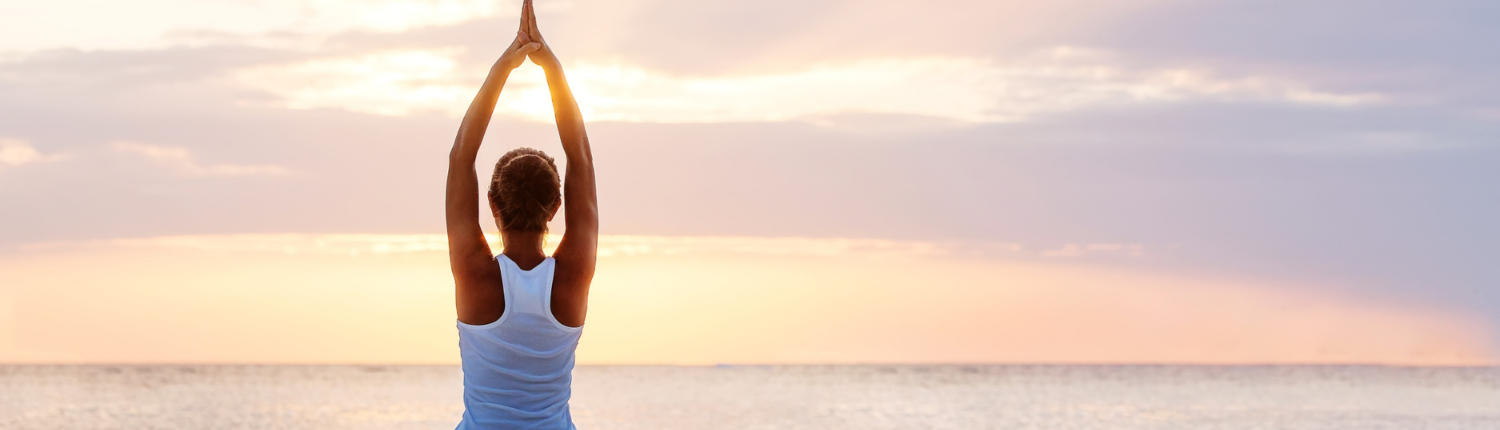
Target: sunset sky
812 181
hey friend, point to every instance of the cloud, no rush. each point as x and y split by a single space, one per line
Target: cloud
698 32
1074 250
182 161
384 83
149 24
16 152
960 89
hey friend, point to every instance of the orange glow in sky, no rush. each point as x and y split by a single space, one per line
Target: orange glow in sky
388 298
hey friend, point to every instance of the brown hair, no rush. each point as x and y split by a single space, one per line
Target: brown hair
525 186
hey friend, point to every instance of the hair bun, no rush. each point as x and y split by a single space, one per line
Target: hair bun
525 187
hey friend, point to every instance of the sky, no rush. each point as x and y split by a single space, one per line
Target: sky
1075 181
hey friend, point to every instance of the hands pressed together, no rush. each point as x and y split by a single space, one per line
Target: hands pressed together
528 43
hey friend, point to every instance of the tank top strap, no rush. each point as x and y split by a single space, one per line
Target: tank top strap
526 291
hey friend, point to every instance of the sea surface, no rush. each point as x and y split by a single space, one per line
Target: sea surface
767 397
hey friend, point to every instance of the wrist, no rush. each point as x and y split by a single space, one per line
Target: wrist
502 67
550 66
498 75
546 59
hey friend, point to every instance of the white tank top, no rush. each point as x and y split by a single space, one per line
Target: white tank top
518 370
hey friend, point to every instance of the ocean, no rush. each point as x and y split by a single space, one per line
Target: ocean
182 397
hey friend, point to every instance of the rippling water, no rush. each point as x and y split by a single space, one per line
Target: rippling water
772 397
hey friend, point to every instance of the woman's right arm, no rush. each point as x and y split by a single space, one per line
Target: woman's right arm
475 273
577 253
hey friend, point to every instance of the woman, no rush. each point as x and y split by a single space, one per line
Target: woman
520 313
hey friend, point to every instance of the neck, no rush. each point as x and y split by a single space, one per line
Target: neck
524 247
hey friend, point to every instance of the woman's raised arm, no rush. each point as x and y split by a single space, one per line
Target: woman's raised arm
469 254
577 254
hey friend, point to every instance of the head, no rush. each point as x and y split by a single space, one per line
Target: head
525 191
